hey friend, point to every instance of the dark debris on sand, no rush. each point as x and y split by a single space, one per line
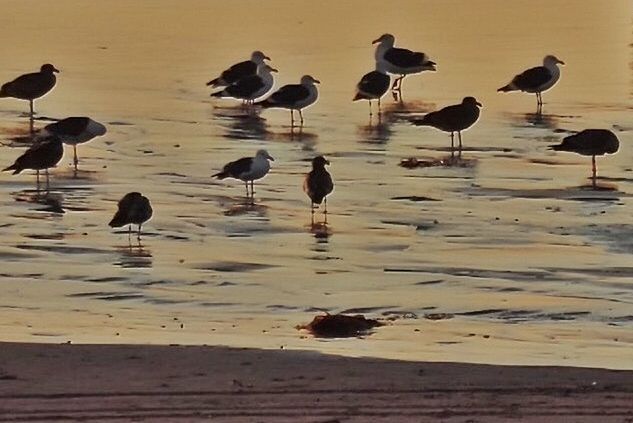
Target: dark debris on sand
340 326
448 161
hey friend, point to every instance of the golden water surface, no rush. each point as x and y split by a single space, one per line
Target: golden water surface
523 261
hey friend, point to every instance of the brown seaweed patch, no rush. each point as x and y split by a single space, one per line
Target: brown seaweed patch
438 316
448 161
340 326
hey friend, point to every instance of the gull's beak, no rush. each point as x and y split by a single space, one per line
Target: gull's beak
55 70
273 70
479 104
561 62
267 58
316 81
377 40
327 162
269 157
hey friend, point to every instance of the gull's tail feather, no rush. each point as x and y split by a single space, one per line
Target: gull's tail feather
506 88
118 220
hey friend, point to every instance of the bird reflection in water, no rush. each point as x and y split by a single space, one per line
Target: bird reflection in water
133 255
307 139
540 120
45 201
246 206
321 230
241 122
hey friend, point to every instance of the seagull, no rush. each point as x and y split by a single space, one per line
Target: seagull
318 183
239 70
590 142
247 169
373 85
75 130
400 61
251 87
453 118
134 208
40 156
31 85
536 80
294 97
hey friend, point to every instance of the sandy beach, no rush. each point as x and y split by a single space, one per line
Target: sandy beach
47 382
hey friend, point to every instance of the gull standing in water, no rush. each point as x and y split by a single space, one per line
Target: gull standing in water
31 86
373 86
133 208
247 169
400 61
75 130
318 183
40 156
590 142
536 80
251 87
294 97
239 70
455 118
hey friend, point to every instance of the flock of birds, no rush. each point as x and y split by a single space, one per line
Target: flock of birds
251 82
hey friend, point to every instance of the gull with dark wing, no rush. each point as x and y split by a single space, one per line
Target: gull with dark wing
294 97
239 70
590 142
75 130
247 169
133 208
536 80
31 85
40 156
373 86
400 61
318 183
251 87
455 118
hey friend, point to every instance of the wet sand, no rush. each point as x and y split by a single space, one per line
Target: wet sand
49 382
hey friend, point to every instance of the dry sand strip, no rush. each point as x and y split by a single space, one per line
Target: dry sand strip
53 383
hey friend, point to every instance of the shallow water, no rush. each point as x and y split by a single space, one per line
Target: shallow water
505 257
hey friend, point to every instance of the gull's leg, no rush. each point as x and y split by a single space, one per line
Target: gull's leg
47 181
397 83
301 116
75 160
252 189
459 135
369 108
400 84
325 203
138 235
292 118
246 184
